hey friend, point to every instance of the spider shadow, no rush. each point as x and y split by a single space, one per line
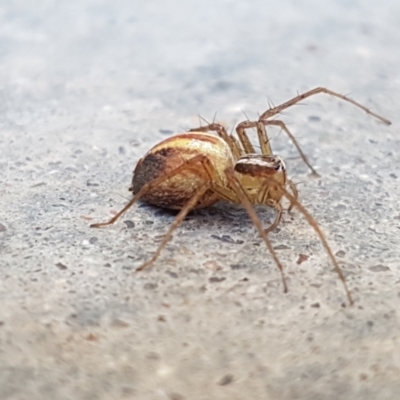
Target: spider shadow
222 218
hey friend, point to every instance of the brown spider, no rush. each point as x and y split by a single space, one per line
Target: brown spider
196 169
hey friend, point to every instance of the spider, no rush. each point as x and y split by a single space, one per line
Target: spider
198 168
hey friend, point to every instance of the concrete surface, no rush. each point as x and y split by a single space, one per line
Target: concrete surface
86 88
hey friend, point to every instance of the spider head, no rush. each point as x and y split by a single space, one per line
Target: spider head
261 177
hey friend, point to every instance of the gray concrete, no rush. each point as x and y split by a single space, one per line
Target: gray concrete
86 88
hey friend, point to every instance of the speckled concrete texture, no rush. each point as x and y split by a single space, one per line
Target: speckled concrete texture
86 88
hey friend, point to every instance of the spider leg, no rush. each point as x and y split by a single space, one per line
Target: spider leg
295 193
149 186
177 221
244 139
283 126
263 196
279 210
242 197
276 110
310 219
262 137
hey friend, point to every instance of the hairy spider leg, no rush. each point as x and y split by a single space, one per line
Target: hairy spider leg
262 137
209 170
177 221
277 206
295 192
311 221
263 197
244 200
146 188
278 109
261 126
264 121
244 139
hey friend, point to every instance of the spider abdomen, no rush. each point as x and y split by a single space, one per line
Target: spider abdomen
172 153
